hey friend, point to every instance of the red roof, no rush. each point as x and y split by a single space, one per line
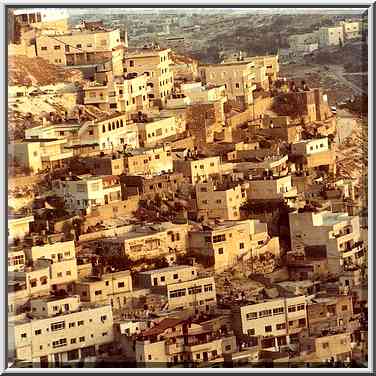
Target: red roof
162 326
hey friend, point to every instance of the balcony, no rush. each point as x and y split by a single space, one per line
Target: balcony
96 100
57 157
174 348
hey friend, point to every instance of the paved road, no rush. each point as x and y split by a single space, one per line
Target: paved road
337 70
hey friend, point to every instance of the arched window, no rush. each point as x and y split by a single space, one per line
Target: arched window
117 124
103 128
121 122
113 126
109 126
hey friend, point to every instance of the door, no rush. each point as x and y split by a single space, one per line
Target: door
57 360
205 355
44 361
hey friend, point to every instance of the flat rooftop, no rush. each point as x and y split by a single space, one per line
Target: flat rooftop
167 269
329 219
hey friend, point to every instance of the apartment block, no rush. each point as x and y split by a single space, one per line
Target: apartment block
276 322
122 94
61 331
196 92
153 131
225 244
16 259
26 154
351 29
112 164
198 169
150 187
156 64
330 36
332 347
19 226
175 341
109 133
81 193
150 242
272 188
108 288
59 257
48 20
219 201
331 312
148 161
323 234
79 47
313 154
182 286
238 79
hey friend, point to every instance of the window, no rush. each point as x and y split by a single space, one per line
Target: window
131 63
103 318
23 335
195 290
302 322
237 85
61 342
220 251
344 308
58 326
278 311
73 340
98 292
82 339
219 238
43 48
38 331
251 332
291 309
265 313
228 347
73 355
208 287
91 132
241 245
325 345
204 201
268 328
104 334
120 284
281 326
218 201
80 323
78 45
68 272
72 324
175 276
57 47
149 357
252 316
300 307
177 293
60 274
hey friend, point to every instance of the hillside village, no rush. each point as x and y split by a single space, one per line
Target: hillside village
165 211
